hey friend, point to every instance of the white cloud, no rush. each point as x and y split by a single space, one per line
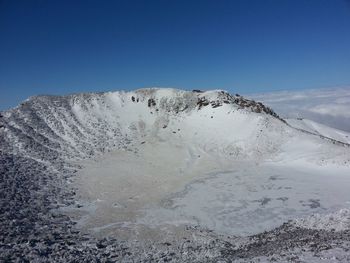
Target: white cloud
328 106
334 110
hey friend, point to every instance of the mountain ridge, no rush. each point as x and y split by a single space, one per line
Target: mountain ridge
34 110
81 125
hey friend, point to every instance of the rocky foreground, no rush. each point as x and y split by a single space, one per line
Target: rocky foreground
33 231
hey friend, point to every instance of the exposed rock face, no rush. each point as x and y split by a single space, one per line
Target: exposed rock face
40 137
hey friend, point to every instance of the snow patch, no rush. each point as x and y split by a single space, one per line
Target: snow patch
337 221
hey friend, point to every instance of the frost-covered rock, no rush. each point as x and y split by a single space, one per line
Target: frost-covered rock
337 221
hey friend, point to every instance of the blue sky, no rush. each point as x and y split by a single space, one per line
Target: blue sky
60 47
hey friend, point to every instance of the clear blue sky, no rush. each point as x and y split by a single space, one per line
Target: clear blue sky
60 47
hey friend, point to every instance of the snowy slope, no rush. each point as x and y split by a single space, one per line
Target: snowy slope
320 129
82 125
85 124
164 158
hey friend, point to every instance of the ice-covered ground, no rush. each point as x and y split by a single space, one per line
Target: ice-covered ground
221 169
164 174
166 184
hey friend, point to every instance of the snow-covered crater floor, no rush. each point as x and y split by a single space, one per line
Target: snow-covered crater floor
173 168
165 186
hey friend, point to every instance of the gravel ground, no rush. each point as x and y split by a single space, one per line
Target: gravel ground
32 230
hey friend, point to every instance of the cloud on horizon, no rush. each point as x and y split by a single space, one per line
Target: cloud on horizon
327 106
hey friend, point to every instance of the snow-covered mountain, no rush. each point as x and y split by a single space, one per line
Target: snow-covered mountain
155 157
81 125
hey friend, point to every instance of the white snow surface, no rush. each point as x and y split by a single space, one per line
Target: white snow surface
336 221
225 168
320 129
156 159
